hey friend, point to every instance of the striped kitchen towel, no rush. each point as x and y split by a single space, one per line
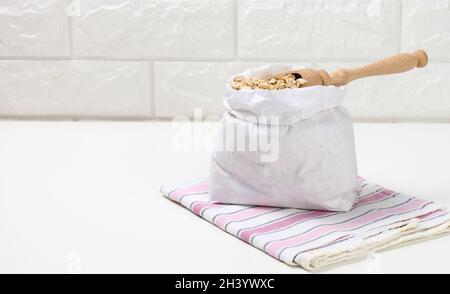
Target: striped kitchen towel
380 218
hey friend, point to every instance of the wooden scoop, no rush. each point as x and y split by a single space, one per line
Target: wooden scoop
391 65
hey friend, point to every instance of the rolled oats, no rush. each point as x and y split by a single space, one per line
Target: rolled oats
288 81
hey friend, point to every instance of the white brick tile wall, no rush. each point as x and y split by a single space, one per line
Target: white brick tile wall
414 95
426 24
74 88
306 29
183 86
154 28
33 28
161 58
424 95
365 98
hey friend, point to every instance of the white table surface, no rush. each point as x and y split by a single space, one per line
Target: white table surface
83 197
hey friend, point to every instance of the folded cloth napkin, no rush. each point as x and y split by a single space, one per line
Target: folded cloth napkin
380 218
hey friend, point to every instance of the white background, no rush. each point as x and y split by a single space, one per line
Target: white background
83 198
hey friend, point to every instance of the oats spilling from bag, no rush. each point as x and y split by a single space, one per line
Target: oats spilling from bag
288 81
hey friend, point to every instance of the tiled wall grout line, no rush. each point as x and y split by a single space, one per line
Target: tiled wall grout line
238 60
169 119
399 29
71 38
101 58
235 28
206 60
200 60
152 89
33 58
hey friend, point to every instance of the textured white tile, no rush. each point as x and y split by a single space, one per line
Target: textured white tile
34 28
366 98
182 86
426 24
303 29
421 94
74 88
154 28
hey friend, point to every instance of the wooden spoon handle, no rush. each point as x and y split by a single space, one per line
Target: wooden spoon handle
391 65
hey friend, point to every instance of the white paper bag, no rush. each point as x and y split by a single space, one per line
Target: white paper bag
286 148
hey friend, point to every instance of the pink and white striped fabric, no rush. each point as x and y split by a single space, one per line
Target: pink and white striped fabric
381 218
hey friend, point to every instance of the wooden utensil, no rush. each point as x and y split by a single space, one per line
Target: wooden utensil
391 65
